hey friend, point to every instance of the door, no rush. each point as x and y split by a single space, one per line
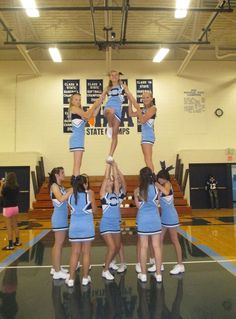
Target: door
233 170
199 174
23 179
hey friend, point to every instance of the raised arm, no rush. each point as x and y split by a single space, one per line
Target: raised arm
143 118
56 191
131 113
122 179
104 183
90 112
165 189
130 96
115 174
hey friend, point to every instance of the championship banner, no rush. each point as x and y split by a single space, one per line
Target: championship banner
67 126
125 96
94 89
70 87
141 86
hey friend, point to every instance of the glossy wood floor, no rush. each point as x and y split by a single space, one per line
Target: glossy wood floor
206 290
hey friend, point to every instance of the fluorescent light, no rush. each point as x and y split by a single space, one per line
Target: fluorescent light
160 55
181 8
55 54
30 8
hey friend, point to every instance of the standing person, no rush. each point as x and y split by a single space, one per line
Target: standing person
122 267
112 110
81 230
148 221
211 187
79 117
146 116
59 219
110 222
169 216
9 190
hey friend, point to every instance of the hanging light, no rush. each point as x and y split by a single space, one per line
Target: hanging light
55 55
160 55
30 8
181 8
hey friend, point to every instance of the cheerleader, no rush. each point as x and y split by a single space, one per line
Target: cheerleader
146 116
169 216
59 219
110 223
79 118
148 221
81 230
112 110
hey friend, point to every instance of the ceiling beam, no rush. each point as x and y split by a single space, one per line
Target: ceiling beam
118 8
22 49
105 43
194 47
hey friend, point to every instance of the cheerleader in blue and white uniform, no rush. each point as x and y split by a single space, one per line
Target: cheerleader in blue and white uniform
113 110
148 221
79 118
146 116
81 230
169 216
110 222
59 219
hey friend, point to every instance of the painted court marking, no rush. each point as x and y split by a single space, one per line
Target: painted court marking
225 263
128 264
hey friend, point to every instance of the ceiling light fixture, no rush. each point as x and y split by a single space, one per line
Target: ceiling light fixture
30 8
181 8
160 55
55 55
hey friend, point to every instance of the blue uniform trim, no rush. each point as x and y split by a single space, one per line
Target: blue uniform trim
110 232
81 239
149 233
147 142
170 225
73 149
60 228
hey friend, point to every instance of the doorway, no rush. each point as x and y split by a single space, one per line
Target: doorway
23 179
199 174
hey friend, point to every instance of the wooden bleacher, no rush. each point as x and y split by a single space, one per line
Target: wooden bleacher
42 207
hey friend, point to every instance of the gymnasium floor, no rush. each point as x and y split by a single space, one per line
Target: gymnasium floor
206 291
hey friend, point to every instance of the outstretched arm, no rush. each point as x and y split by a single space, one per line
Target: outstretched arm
58 194
104 183
115 174
122 179
131 113
131 97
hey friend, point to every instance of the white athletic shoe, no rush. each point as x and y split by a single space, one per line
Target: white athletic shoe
122 268
52 271
158 277
138 268
78 265
109 131
60 275
107 275
70 282
153 268
142 277
178 269
109 159
152 260
86 281
113 265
